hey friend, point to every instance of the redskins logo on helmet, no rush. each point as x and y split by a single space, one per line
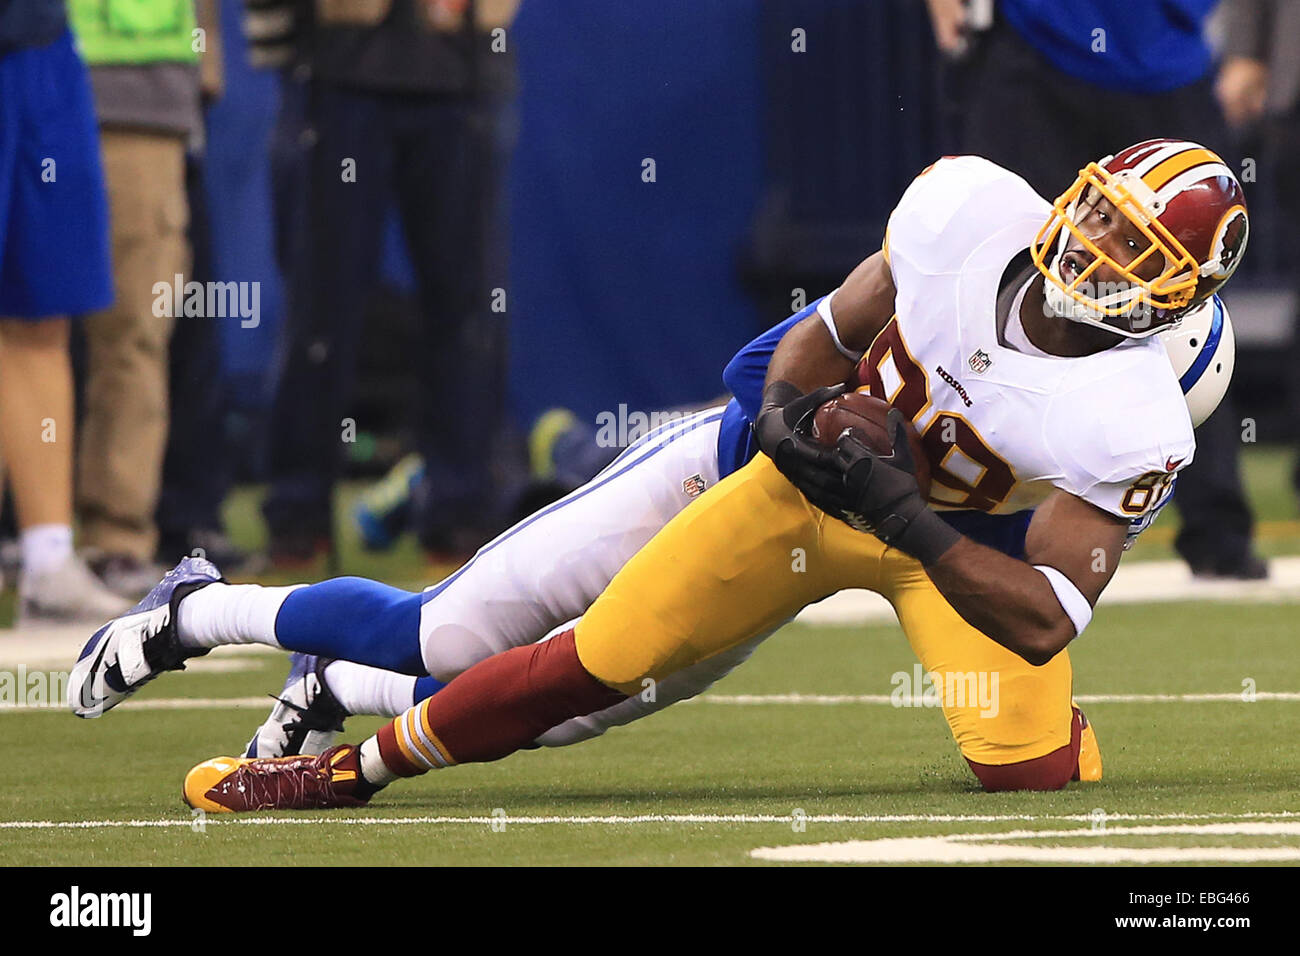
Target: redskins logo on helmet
1190 208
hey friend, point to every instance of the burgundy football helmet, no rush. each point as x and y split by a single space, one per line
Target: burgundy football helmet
1190 207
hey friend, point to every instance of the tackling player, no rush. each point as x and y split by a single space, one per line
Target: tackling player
1082 422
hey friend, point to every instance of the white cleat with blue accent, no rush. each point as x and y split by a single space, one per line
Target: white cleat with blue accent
131 650
306 718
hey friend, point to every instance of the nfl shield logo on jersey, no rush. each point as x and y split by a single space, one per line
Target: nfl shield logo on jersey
694 486
979 361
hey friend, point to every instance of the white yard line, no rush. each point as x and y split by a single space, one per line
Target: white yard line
994 847
736 700
1271 818
159 703
743 700
1139 582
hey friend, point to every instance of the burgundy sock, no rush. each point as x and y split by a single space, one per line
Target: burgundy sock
502 704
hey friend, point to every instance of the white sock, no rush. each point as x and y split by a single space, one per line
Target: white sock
231 614
45 547
373 767
370 690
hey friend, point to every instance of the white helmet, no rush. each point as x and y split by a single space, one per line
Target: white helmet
1202 350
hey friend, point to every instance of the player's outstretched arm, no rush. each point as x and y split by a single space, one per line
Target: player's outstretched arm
1035 607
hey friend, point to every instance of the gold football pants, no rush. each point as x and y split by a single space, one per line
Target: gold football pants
751 553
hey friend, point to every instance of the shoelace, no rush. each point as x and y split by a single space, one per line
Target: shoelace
295 783
306 720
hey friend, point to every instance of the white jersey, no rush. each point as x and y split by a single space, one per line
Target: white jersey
547 570
1004 428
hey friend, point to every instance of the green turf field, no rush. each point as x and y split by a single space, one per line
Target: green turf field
703 760
708 782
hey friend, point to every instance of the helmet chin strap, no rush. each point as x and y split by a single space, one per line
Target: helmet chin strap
1065 306
1061 305
1072 310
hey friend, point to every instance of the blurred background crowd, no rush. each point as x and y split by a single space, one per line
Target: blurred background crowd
280 275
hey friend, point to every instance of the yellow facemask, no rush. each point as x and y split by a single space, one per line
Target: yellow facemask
1173 288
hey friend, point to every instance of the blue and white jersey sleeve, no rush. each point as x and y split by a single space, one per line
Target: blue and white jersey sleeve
744 377
746 372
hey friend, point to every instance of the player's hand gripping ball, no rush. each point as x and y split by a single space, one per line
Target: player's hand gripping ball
866 419
883 476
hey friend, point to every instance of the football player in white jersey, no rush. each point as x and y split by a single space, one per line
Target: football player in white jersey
1080 422
321 693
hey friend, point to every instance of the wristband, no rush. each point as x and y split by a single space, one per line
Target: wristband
1075 605
926 537
779 394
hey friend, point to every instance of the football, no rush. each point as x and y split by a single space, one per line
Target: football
866 417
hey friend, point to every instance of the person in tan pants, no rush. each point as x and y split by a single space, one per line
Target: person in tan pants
124 425
147 99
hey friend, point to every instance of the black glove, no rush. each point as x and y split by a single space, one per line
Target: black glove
783 429
880 495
